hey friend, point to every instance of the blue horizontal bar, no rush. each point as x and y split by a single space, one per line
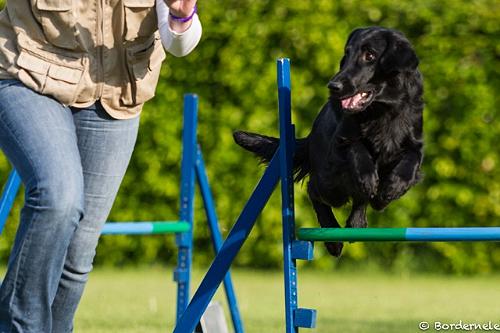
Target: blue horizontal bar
139 228
453 234
127 228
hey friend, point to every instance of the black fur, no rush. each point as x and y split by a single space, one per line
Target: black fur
366 143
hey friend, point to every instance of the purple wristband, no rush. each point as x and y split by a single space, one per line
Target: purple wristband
184 19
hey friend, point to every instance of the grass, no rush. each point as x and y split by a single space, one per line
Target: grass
143 300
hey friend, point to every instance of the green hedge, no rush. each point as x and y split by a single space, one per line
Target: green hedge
233 72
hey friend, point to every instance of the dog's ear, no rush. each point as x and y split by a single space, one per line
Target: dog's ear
353 34
398 55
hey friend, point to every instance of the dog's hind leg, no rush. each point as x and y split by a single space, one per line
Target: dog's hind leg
327 220
357 218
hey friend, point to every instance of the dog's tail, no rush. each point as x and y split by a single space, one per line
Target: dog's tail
265 147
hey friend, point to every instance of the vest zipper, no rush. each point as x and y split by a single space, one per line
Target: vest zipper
99 48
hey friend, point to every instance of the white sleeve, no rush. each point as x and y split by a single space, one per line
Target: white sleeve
178 44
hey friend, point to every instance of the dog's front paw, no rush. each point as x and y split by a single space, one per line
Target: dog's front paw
393 188
334 248
390 190
368 184
378 202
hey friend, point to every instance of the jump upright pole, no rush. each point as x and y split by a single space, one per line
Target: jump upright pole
192 169
292 249
184 241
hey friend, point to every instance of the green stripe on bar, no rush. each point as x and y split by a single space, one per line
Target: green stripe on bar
352 234
170 227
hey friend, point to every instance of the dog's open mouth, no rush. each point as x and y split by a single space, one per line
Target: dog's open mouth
357 102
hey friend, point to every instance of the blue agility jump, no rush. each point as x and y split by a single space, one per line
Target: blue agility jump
280 168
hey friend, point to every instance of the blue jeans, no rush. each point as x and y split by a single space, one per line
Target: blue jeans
72 162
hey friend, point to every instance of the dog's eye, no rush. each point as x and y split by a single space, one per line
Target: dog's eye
368 56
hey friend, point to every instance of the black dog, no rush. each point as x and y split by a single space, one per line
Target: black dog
366 142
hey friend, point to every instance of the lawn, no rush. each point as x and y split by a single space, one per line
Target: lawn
143 300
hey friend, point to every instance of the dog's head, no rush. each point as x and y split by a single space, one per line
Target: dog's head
373 56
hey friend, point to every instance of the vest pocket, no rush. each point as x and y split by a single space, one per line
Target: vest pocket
143 64
140 18
58 21
50 74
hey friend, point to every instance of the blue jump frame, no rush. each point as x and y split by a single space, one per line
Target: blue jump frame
295 247
280 167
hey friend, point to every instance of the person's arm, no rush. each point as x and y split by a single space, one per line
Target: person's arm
178 38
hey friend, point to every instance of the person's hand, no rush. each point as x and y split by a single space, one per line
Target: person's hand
181 8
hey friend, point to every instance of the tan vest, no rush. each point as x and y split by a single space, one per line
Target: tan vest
81 51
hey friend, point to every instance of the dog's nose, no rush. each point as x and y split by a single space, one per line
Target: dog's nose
335 86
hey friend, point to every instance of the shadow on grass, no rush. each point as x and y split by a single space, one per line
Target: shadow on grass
338 325
365 325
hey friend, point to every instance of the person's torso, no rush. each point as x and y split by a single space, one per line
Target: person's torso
83 51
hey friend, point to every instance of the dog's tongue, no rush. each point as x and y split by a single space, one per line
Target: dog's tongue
351 102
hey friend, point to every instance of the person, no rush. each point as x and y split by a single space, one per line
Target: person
74 76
